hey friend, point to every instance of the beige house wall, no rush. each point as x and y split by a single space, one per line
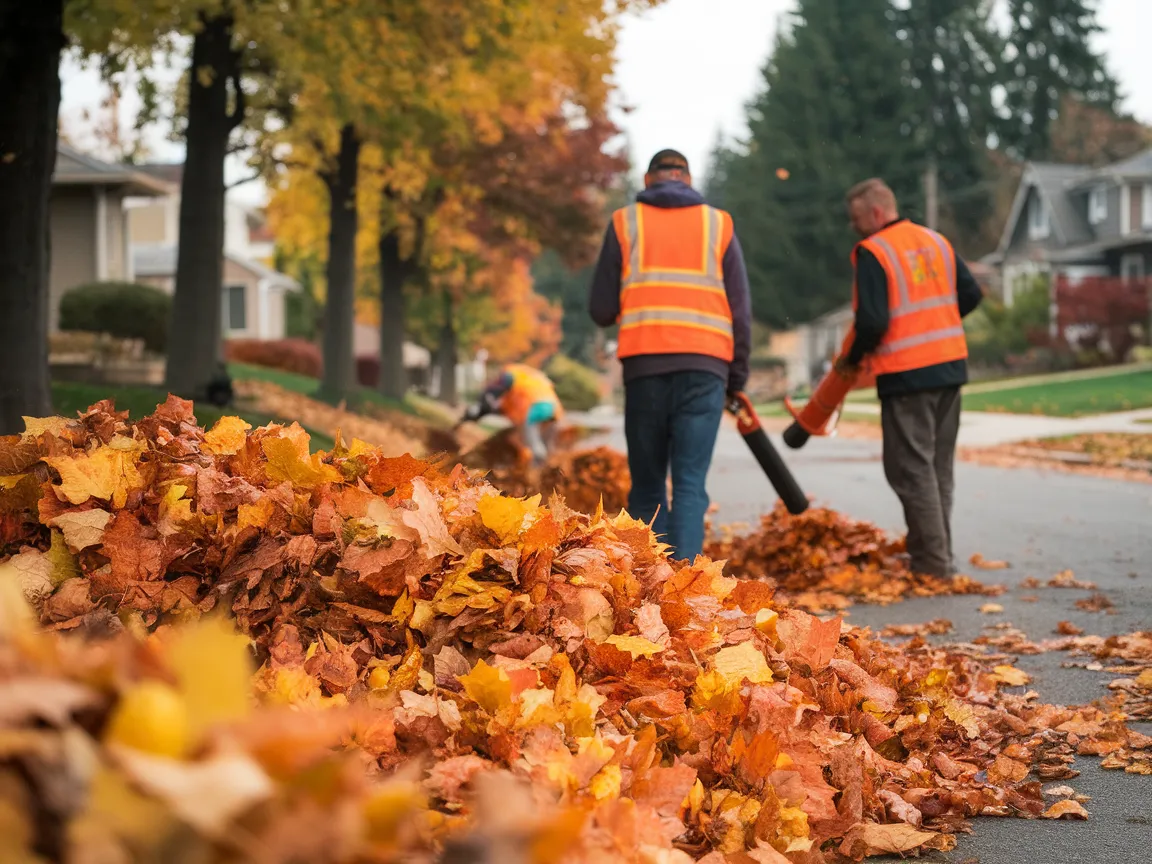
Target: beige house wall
116 236
154 222
234 274
73 245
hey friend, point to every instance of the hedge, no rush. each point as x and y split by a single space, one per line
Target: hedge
126 310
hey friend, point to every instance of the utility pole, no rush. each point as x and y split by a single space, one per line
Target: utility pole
931 193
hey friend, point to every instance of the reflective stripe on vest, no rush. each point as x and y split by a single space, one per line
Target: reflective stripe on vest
666 307
924 326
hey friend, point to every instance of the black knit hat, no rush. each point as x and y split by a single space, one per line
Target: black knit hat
668 160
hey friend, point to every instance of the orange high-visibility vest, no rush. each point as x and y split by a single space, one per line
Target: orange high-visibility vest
672 297
529 387
924 326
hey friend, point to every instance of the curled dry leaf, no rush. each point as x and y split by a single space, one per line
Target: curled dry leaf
1066 809
979 561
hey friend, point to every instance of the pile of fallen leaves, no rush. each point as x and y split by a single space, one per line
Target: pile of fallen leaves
583 478
1118 455
442 670
823 560
389 435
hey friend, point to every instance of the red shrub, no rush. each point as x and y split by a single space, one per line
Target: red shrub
288 355
1103 314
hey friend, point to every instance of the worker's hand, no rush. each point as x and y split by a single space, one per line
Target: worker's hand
845 367
472 413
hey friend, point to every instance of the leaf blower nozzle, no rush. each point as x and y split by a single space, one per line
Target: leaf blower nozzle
796 436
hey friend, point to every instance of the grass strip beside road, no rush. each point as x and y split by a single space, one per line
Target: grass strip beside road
1105 394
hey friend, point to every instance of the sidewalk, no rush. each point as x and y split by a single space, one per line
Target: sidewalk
988 429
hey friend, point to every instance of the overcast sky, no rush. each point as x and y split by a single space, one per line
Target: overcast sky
689 67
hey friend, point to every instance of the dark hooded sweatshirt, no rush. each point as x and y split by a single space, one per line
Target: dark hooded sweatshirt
604 300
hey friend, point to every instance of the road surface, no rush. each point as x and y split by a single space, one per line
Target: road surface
1042 523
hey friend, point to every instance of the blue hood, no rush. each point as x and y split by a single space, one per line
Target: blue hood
671 194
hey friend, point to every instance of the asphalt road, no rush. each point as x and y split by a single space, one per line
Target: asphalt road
1040 522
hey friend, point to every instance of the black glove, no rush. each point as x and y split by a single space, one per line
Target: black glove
472 413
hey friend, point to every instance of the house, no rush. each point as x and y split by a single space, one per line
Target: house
1077 221
254 297
88 222
809 348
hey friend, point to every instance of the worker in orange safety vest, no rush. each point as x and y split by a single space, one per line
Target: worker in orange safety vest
910 292
671 274
527 398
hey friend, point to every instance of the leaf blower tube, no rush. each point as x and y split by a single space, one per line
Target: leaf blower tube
767 455
822 413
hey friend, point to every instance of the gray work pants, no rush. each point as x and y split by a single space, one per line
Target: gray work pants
540 438
920 432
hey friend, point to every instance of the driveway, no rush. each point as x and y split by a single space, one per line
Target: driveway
1042 523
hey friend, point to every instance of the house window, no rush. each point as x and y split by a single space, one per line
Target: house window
235 308
1098 204
1038 221
1132 266
1146 221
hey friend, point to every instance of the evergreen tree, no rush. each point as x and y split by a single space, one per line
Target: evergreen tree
556 281
1048 55
833 111
950 71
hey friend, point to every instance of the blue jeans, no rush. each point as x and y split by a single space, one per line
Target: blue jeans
671 421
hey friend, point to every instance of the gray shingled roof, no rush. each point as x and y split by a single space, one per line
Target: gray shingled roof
1138 165
159 259
1054 181
76 168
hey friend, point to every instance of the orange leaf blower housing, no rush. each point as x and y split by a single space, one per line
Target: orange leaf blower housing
822 413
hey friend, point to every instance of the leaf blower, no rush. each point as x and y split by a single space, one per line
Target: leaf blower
767 455
822 413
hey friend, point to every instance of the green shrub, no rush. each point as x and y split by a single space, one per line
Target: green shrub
125 310
997 332
577 386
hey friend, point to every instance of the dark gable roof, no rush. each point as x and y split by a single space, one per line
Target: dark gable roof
76 168
1054 182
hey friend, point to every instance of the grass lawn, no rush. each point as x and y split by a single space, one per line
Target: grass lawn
426 409
1069 398
777 409
69 398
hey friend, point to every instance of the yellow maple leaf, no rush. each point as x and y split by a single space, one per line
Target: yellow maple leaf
213 667
34 427
287 463
606 783
508 517
962 716
635 645
255 515
174 509
63 562
488 686
537 708
108 473
1010 676
227 437
739 662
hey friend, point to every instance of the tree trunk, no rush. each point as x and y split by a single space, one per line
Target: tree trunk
447 355
31 39
194 342
340 308
394 272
